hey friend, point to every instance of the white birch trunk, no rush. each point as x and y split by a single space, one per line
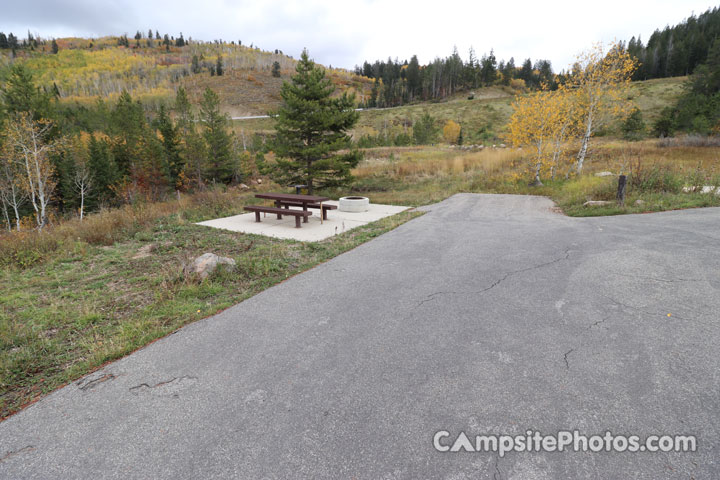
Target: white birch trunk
584 144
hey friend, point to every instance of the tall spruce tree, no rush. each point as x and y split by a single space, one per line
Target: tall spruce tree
193 148
219 66
174 162
311 131
216 137
105 172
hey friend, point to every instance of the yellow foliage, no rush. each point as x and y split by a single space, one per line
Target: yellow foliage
598 83
542 121
451 131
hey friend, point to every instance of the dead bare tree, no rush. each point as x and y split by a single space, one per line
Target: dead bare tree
82 181
29 140
12 195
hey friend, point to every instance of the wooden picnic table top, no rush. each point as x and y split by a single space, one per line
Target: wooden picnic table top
292 197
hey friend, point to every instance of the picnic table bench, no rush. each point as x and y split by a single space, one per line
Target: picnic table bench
325 207
279 211
283 202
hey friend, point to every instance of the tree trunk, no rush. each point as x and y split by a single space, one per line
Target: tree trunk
537 182
7 217
17 217
309 177
82 202
584 146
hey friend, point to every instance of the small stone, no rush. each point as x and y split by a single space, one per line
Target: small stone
597 203
604 174
259 180
243 186
204 265
639 202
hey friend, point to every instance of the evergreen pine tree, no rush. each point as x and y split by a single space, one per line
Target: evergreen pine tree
219 66
55 47
276 69
174 162
193 145
20 94
425 130
12 41
104 171
128 127
311 127
216 137
4 41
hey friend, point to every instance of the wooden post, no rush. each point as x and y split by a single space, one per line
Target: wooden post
622 183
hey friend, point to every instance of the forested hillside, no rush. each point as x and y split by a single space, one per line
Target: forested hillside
152 66
678 50
397 83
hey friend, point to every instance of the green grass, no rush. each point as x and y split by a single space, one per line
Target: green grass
657 175
75 297
484 118
82 307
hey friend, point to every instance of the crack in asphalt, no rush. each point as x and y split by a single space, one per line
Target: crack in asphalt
434 295
646 312
137 388
12 453
498 474
90 384
522 270
602 320
565 357
431 297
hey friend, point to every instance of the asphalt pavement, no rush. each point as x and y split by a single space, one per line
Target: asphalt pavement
490 314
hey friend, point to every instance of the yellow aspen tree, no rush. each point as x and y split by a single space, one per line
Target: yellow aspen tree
451 132
566 127
599 82
534 122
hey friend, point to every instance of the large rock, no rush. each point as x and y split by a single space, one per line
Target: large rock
702 189
204 265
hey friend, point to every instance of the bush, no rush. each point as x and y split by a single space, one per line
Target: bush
424 130
633 127
586 187
451 132
658 179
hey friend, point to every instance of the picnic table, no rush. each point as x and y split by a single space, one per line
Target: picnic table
283 202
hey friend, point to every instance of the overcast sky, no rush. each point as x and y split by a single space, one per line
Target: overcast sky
343 33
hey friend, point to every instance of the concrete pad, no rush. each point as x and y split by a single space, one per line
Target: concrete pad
313 231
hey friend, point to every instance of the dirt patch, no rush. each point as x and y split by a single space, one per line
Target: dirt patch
144 251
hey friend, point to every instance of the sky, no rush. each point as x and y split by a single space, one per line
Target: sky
344 34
